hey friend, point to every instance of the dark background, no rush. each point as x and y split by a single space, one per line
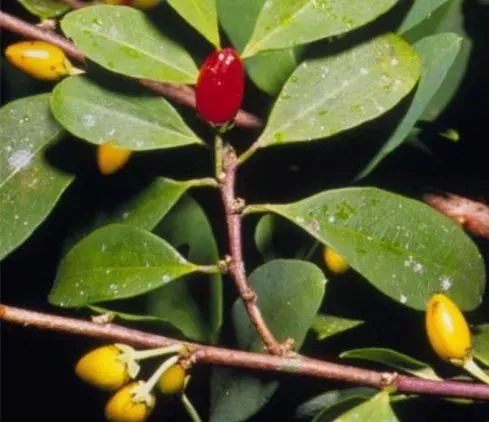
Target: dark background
36 366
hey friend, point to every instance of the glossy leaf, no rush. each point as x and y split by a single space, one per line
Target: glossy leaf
403 247
124 40
438 53
326 326
268 70
328 95
287 23
264 236
45 8
148 208
134 119
420 10
393 359
481 343
289 295
326 402
453 22
376 409
202 15
188 226
115 262
30 186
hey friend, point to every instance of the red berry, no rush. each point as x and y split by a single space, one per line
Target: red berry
220 86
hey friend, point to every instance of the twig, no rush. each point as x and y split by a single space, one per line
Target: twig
232 208
296 364
181 94
472 215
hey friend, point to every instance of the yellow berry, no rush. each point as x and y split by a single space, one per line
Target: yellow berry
111 158
447 329
172 381
122 407
334 262
39 59
102 368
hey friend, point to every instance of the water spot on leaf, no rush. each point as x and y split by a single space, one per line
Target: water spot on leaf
20 159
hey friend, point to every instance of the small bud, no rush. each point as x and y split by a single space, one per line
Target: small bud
447 329
40 59
103 368
122 406
111 158
172 381
334 262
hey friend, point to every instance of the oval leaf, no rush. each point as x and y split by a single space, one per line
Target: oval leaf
420 10
29 186
177 304
268 70
124 40
403 247
328 95
45 8
116 262
481 343
133 119
326 326
376 409
438 53
202 15
393 359
287 23
188 226
149 207
289 295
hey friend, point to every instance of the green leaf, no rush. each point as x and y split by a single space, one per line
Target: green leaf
264 233
326 326
268 70
134 118
124 40
393 359
438 53
115 262
179 304
148 208
187 225
376 409
420 10
289 295
29 186
481 343
325 402
202 15
328 95
45 8
287 23
403 247
453 22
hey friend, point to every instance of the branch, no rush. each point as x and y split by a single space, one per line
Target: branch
297 364
181 94
232 209
472 215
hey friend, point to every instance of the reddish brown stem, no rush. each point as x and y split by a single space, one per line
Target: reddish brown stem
181 94
297 364
232 209
472 215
